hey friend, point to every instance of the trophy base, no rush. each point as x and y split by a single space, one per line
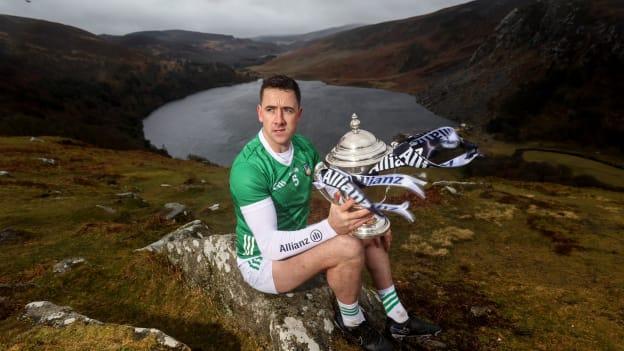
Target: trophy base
379 227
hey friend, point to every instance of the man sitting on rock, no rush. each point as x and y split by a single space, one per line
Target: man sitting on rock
271 182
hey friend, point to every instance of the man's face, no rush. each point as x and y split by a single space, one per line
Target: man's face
279 113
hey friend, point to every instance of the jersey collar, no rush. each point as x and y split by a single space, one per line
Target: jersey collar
284 158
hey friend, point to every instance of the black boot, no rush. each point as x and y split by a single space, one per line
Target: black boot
364 335
411 327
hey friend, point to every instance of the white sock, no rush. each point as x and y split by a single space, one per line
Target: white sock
351 314
393 306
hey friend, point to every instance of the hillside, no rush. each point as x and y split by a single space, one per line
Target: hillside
298 40
499 263
198 47
526 70
397 54
60 80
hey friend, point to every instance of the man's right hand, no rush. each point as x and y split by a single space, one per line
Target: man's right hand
345 221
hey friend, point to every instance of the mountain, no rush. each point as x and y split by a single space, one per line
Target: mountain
298 40
61 80
524 70
198 47
397 54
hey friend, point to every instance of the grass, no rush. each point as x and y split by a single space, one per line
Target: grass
78 338
115 285
544 260
580 166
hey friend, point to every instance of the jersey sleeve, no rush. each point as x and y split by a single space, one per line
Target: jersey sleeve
280 244
248 184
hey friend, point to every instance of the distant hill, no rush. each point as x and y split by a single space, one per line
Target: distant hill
198 47
61 80
298 40
397 54
522 69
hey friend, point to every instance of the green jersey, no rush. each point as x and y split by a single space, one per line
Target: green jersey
257 175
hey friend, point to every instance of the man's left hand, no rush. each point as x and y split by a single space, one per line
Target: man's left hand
386 240
383 240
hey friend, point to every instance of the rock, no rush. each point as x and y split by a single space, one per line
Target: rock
48 161
129 195
300 320
49 314
213 207
187 187
451 190
5 174
106 208
163 339
36 139
195 227
66 264
165 185
12 236
480 311
459 185
176 209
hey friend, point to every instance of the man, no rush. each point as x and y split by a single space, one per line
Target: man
271 182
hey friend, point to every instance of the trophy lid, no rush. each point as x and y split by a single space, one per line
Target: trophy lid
358 150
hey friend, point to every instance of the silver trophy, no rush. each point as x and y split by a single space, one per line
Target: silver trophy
359 158
356 153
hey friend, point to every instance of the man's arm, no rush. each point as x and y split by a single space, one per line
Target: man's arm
261 218
276 244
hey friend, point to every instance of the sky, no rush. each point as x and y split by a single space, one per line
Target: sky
241 18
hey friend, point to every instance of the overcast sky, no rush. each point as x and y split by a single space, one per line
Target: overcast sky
241 18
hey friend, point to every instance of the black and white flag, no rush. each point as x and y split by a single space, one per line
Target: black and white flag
334 180
416 151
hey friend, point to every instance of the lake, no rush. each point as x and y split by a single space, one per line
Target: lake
217 123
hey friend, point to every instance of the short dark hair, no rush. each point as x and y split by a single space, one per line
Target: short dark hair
281 82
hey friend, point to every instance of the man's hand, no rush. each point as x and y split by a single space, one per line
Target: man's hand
382 241
386 240
344 221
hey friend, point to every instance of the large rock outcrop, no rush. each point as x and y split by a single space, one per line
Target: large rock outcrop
301 320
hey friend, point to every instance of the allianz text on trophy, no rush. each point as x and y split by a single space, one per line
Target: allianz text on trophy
356 161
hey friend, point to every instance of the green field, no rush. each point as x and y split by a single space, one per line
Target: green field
541 262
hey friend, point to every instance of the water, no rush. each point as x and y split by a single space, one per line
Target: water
217 123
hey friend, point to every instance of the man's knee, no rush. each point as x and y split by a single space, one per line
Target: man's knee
349 248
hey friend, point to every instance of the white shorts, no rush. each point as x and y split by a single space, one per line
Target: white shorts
258 273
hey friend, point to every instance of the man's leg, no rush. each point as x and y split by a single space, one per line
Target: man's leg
399 324
341 257
378 263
